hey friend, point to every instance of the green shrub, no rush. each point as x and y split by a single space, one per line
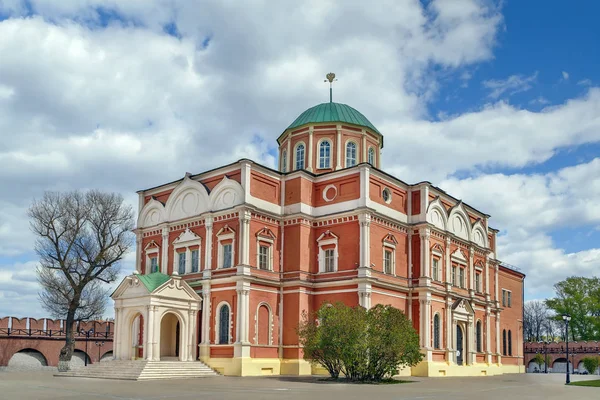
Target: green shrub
363 345
591 364
539 360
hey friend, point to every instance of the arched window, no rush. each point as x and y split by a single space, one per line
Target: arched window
224 324
436 331
372 156
325 154
504 342
350 154
300 156
478 334
509 343
284 161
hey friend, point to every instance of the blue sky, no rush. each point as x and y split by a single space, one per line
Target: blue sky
497 102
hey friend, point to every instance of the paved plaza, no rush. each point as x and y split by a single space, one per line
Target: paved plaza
43 385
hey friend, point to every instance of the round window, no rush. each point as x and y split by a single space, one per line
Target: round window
387 195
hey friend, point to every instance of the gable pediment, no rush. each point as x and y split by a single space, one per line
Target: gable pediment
130 287
458 255
463 306
186 236
176 288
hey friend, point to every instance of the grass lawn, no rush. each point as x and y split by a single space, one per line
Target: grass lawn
595 383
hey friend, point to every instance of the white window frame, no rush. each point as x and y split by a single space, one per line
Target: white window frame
477 279
222 237
391 248
186 240
218 324
328 158
454 271
296 156
461 264
327 242
152 250
439 256
264 240
371 155
192 259
355 153
462 277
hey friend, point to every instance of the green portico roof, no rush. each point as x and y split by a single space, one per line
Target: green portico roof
153 280
332 112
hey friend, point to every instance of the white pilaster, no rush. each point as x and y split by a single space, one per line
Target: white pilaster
339 147
117 334
242 344
487 276
365 240
488 337
365 177
310 150
449 331
364 295
138 253
425 233
191 335
164 250
208 224
364 147
244 237
471 271
149 333
448 263
290 159
206 307
498 349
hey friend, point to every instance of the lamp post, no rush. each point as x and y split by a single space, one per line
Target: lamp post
545 343
87 337
567 318
99 344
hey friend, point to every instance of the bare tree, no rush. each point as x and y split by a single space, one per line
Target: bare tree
535 320
81 239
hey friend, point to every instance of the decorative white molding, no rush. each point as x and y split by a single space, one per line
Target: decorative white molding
436 214
153 213
227 194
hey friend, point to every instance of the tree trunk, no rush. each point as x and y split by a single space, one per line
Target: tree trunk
66 353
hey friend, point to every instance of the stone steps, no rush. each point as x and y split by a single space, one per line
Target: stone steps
143 370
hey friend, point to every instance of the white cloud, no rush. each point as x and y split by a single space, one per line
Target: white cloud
126 107
565 75
512 85
528 208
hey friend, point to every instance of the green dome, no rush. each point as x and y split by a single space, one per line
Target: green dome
332 112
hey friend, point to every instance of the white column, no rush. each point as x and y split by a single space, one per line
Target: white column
138 253
120 330
244 236
165 250
425 234
191 336
496 283
472 359
426 326
365 240
149 332
340 147
117 335
310 149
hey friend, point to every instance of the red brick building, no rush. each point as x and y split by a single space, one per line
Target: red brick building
258 247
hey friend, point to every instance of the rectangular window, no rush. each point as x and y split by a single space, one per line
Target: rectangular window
462 277
227 263
503 298
453 275
478 283
263 257
330 260
195 260
435 269
387 262
508 298
181 263
154 264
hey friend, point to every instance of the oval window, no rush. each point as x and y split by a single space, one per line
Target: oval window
387 195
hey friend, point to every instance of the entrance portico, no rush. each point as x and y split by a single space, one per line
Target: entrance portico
462 327
155 318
